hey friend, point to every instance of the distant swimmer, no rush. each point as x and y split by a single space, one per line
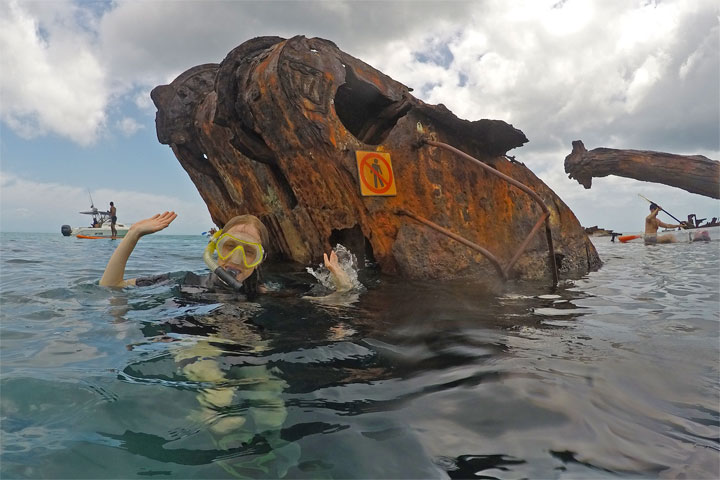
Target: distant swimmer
652 224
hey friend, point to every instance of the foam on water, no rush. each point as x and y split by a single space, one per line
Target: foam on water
346 260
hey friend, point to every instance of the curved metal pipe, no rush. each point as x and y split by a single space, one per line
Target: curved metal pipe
524 188
464 241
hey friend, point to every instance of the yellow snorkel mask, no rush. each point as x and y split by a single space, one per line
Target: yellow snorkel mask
228 246
235 247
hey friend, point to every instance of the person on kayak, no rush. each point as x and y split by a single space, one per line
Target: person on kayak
240 247
652 224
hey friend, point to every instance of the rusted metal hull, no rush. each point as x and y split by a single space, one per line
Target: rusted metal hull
273 131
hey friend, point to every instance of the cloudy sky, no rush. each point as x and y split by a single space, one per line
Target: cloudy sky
75 78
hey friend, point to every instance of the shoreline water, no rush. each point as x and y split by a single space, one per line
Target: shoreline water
612 374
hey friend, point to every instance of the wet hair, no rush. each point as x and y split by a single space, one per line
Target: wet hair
249 220
653 206
250 284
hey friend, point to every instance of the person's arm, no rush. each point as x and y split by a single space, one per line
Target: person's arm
340 278
667 225
660 223
115 269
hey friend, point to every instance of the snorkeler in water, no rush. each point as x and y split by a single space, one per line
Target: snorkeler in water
252 408
240 246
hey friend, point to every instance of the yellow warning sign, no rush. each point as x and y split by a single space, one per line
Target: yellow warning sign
375 173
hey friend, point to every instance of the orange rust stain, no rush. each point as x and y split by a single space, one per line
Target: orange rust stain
331 132
374 78
385 227
265 63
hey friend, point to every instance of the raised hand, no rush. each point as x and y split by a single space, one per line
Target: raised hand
115 269
332 263
157 222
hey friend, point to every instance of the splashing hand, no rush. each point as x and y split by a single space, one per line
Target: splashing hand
339 276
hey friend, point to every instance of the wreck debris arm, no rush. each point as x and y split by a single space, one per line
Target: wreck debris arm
694 173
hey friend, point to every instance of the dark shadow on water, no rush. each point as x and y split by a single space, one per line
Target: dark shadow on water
570 457
472 466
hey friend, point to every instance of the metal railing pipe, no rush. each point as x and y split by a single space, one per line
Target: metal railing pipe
524 188
523 246
458 238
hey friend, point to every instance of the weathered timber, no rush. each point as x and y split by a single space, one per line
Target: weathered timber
694 173
273 129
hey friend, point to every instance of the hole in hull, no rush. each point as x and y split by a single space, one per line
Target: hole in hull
354 240
365 111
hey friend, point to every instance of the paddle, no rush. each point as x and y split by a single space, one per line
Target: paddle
679 221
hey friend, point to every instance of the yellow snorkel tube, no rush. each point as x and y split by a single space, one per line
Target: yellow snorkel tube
212 264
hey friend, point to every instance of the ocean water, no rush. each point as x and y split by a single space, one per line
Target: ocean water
612 375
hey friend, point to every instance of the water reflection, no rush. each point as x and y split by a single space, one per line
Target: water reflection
614 374
240 407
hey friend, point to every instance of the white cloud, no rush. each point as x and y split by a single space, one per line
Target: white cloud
128 126
568 17
618 74
546 66
29 206
51 80
143 101
643 79
600 71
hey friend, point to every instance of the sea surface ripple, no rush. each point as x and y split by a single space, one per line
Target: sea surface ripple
612 375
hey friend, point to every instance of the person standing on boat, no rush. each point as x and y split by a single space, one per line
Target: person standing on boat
113 219
652 224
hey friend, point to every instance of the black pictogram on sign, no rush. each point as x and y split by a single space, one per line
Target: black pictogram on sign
376 174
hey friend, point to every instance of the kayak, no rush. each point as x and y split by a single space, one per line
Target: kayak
691 235
92 237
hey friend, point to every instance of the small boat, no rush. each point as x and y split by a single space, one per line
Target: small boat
99 228
702 234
